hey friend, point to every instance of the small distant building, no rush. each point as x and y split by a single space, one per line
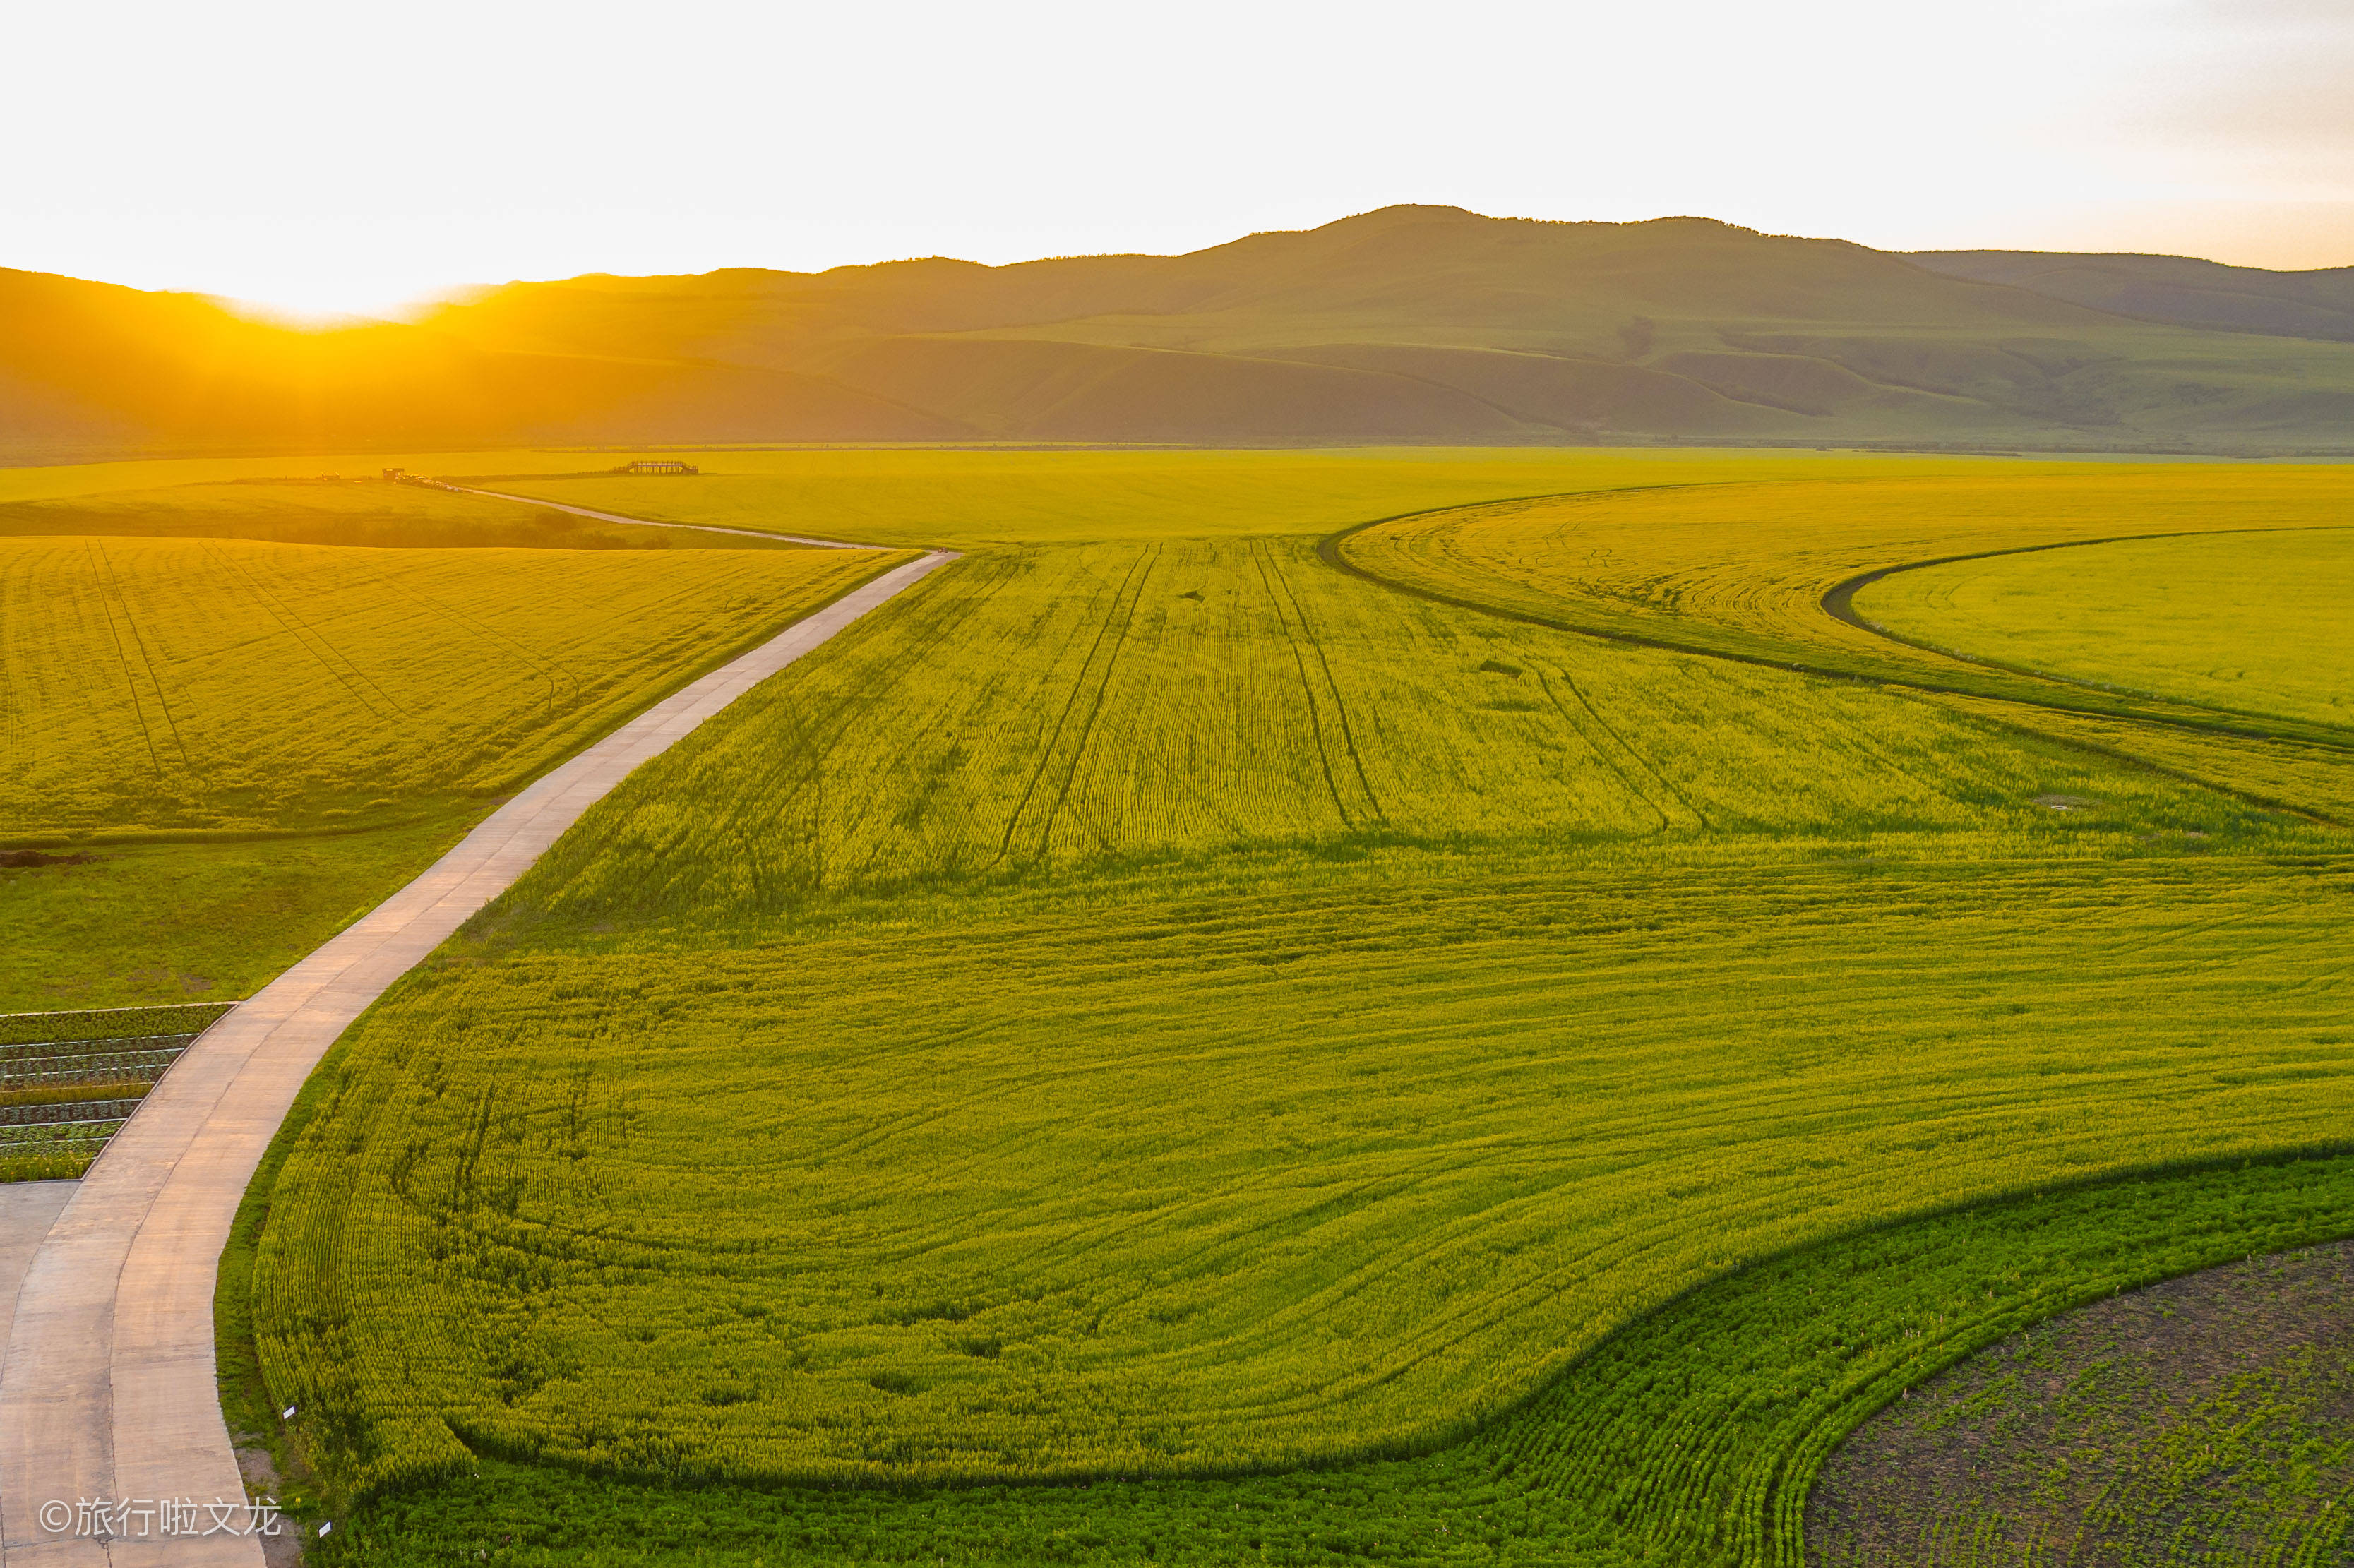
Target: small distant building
393 474
659 465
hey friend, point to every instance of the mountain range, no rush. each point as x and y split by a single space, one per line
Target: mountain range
1408 324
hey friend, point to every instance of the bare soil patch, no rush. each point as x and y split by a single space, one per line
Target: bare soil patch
2208 1417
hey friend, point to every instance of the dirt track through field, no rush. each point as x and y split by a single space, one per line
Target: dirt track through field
108 1388
649 522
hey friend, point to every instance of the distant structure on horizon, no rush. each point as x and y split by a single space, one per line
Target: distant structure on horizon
653 465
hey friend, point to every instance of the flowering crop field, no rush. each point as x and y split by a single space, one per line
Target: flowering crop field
1155 1047
2251 627
156 684
1743 570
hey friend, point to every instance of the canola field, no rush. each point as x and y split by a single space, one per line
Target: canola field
2259 632
1160 1048
1016 499
1742 570
153 686
334 510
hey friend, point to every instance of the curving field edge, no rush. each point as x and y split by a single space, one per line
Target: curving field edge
1839 603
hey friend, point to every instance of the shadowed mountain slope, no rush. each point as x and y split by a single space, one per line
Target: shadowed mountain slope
1413 324
2180 289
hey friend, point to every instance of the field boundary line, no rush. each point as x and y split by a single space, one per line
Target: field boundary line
108 1386
649 522
1839 603
1329 550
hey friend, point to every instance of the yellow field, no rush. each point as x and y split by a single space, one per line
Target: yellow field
325 510
154 685
2254 624
969 499
1743 568
1166 1005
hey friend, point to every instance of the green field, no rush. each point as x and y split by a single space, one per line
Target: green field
2257 631
1690 1438
122 925
1152 1005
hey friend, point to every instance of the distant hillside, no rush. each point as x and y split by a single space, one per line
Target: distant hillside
2180 289
1413 324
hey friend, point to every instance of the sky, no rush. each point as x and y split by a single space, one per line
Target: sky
350 157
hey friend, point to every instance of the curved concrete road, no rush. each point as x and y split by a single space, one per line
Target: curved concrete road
107 1389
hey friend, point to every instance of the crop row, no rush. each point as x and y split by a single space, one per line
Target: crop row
68 1080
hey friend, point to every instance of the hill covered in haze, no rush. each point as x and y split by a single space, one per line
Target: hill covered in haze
1406 325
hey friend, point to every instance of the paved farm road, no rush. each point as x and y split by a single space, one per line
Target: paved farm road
107 1388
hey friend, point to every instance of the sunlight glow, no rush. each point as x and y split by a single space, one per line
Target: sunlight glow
808 137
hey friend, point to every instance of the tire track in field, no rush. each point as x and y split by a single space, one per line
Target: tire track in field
1078 686
129 683
1613 731
1095 710
1307 688
2190 718
1333 685
936 617
1838 602
310 640
146 656
1578 730
547 671
15 729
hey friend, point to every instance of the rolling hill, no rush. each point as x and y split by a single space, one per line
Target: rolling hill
2180 289
1408 324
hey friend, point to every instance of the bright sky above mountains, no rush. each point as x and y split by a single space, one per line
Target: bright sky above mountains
350 157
